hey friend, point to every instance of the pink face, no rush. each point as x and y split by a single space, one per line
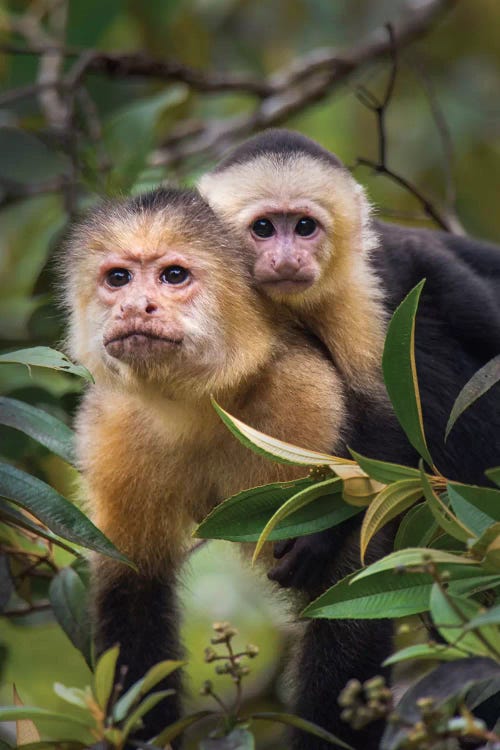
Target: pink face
287 246
144 295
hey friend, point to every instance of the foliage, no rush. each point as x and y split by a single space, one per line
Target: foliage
458 589
127 133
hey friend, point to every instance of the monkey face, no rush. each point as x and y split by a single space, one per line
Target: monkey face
287 247
148 298
297 214
157 291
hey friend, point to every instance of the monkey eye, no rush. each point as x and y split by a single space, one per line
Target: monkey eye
305 227
263 228
118 277
174 275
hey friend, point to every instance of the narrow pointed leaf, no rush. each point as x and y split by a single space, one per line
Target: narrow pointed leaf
417 528
295 503
241 518
385 594
400 372
38 424
159 672
299 723
478 507
59 514
68 597
13 517
175 729
382 471
443 515
417 556
450 614
143 708
18 713
421 651
104 676
388 504
476 387
491 617
75 696
44 356
276 450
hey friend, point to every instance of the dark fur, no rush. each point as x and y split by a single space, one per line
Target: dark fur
457 332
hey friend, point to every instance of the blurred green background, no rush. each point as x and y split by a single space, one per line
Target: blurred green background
118 126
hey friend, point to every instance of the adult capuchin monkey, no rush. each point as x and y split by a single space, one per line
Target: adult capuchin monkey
163 312
318 252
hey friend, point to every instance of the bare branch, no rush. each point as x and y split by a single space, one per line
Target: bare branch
446 144
309 79
379 108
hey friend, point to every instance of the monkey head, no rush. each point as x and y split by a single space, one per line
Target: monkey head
157 292
297 206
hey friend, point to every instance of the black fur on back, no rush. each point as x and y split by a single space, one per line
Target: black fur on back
284 143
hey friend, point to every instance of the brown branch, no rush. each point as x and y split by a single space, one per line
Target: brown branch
307 80
29 610
379 108
446 144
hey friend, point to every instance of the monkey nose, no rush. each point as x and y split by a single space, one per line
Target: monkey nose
289 264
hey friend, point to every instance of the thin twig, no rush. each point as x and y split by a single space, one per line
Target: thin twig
379 107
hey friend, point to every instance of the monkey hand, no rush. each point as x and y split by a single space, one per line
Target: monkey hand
302 561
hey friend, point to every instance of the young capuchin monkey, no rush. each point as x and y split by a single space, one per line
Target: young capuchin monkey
163 312
318 252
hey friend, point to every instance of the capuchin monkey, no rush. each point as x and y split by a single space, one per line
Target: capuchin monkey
163 312
318 252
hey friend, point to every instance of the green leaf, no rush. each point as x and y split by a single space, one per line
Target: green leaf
175 729
388 504
443 515
143 708
44 356
476 387
73 695
61 516
476 581
152 677
295 503
18 713
13 517
400 373
491 617
487 538
416 529
242 517
157 673
407 558
38 424
276 450
385 594
478 507
26 159
451 613
104 676
424 651
307 726
382 471
68 597
494 475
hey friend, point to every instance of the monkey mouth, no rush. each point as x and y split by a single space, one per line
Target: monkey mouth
286 286
139 343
